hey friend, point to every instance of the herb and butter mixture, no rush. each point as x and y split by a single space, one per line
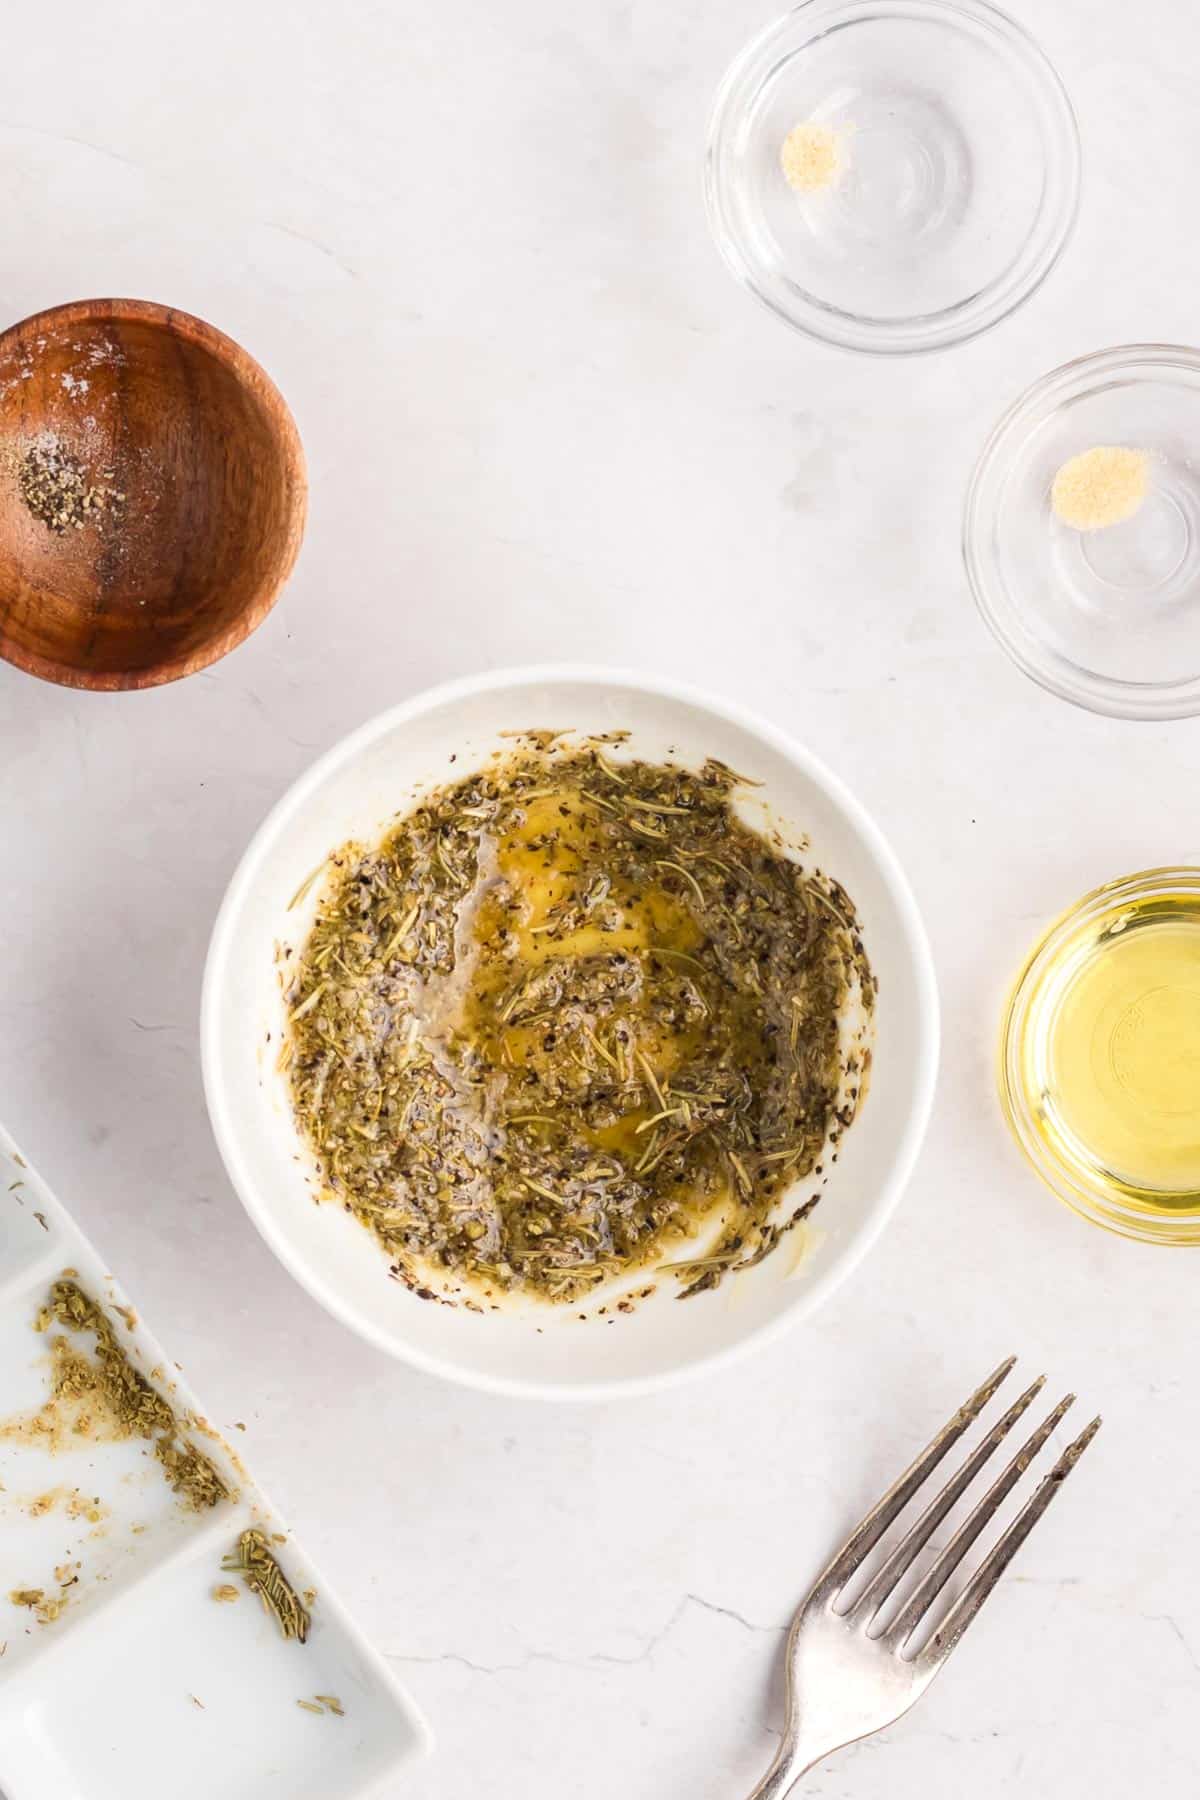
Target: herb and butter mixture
572 1018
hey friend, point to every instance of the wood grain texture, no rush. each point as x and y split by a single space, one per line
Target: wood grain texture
200 443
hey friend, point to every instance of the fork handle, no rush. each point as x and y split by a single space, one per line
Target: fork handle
791 1762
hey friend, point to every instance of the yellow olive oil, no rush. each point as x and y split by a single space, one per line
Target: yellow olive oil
1107 1049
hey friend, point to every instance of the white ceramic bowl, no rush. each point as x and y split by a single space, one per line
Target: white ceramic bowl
353 792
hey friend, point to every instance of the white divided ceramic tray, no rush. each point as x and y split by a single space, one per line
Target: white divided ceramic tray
145 1685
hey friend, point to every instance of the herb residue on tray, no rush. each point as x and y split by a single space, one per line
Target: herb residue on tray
116 1401
572 1017
257 1564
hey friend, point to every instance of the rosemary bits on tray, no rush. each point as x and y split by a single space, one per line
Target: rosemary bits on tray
129 1404
253 1559
572 1021
137 1552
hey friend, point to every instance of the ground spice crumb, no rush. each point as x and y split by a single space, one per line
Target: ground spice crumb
1100 487
225 1591
809 157
57 487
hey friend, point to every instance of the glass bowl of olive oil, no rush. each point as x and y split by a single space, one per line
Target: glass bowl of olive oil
1100 1056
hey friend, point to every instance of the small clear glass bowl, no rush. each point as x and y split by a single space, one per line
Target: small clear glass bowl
956 178
1108 618
1067 1167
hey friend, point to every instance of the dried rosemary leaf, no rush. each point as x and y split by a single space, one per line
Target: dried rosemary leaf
255 1563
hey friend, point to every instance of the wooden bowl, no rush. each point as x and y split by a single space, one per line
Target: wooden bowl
152 494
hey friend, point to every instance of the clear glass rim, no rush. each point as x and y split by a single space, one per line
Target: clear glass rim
976 312
1091 1202
1095 693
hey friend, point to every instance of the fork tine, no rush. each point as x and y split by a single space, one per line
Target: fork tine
915 1540
931 1586
994 1564
865 1536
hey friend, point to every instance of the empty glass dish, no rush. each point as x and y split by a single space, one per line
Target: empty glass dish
936 180
1108 617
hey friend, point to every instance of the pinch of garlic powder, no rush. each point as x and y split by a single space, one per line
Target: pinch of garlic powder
1099 487
809 157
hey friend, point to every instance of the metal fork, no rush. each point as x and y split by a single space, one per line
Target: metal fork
845 1681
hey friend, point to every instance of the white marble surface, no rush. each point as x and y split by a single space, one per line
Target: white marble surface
542 422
